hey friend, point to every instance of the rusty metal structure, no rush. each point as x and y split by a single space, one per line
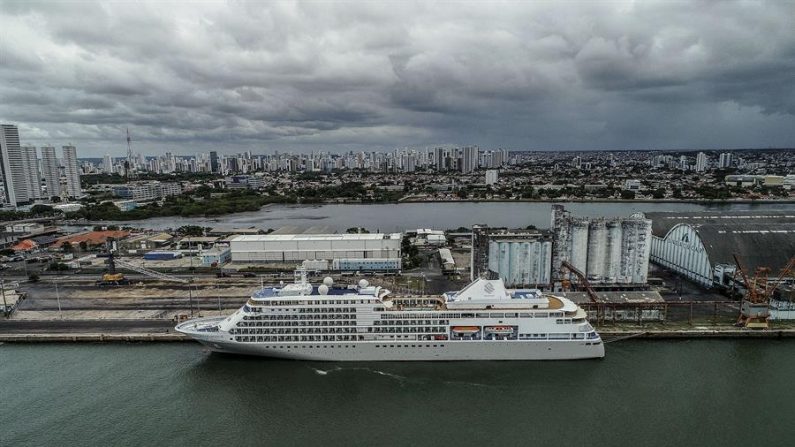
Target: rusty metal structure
755 306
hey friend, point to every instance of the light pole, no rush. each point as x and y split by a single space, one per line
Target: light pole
58 297
3 291
190 298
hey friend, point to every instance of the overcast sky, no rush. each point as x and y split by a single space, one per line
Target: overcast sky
235 76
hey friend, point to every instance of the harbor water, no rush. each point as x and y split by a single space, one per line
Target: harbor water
444 215
643 393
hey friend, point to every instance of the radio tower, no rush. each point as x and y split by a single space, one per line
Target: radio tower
129 171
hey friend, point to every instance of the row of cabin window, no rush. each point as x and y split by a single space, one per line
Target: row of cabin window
408 322
414 329
387 316
299 311
269 338
303 318
292 331
307 302
553 336
280 324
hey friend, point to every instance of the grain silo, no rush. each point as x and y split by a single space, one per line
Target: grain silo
578 243
597 242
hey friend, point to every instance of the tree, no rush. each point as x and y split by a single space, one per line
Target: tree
83 246
191 230
627 195
67 247
41 209
58 266
33 277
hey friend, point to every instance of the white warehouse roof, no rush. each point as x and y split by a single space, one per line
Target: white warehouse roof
315 237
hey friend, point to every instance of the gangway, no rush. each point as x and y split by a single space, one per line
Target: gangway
149 272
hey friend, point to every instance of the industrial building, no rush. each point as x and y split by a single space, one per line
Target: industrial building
610 251
521 258
700 245
300 247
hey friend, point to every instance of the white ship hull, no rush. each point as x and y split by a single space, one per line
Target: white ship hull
483 321
384 351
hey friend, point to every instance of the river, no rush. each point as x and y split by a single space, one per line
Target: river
446 215
643 393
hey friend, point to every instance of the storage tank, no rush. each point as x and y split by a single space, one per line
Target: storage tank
635 250
578 237
612 267
641 274
524 261
494 256
505 259
597 242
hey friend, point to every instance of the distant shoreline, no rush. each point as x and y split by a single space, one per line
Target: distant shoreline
695 201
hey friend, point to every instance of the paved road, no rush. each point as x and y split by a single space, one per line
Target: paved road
84 326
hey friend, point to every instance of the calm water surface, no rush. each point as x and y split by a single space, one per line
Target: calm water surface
701 393
399 217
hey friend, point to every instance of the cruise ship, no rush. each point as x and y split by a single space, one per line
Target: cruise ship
363 322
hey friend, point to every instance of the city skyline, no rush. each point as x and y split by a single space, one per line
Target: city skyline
360 76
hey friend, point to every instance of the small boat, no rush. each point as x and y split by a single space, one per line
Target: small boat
499 330
465 329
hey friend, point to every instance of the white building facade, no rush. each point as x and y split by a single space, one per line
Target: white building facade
72 170
299 247
14 181
50 171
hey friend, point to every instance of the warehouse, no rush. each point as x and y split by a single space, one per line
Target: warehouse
701 245
520 257
300 247
606 250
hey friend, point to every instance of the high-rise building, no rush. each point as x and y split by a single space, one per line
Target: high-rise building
469 159
31 164
13 169
492 177
107 164
72 171
50 171
725 160
701 162
215 168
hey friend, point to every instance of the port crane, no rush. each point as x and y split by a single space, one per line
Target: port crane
755 305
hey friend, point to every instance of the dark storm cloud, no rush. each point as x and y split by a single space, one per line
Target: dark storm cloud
264 76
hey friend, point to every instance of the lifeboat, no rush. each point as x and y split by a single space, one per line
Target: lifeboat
499 330
465 330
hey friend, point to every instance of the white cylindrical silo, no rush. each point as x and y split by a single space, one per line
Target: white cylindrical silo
494 256
505 260
578 236
613 251
597 240
514 267
643 241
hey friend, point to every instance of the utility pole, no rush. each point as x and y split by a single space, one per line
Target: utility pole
58 297
3 291
190 297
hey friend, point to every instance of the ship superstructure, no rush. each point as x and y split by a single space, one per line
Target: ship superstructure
483 321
